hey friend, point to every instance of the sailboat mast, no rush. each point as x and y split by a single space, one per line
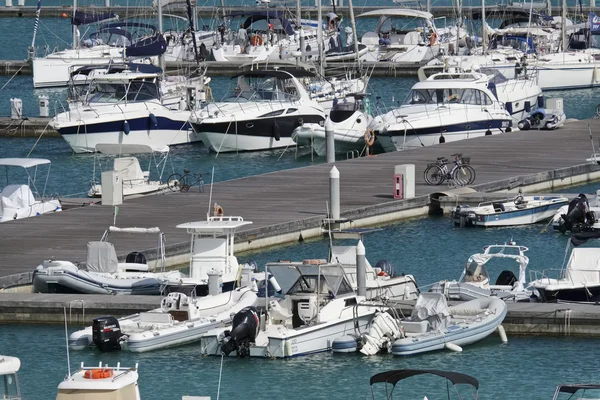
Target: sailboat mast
299 25
223 9
354 34
75 30
458 23
563 27
161 58
320 38
483 27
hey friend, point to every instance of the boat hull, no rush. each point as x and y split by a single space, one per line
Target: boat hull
517 217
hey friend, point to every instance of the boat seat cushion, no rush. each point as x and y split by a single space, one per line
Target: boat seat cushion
19 195
155 318
415 326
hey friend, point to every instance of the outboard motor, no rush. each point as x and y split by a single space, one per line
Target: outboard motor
136 257
106 334
386 267
575 218
244 330
506 278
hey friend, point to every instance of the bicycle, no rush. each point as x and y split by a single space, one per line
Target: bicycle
183 183
461 173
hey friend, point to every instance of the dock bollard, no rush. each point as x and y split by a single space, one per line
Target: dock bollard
44 106
329 142
361 269
9 3
334 193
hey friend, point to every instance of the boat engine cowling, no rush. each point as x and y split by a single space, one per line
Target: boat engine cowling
577 214
244 330
106 334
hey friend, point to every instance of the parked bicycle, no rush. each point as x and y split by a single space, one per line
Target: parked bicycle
461 174
183 183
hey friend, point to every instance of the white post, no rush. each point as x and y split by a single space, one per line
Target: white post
161 58
107 3
483 27
75 29
320 38
329 142
549 7
361 269
334 193
563 29
354 34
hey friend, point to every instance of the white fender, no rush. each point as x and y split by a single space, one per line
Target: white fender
453 347
502 334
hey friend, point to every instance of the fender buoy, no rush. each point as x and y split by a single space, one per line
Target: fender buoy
98 374
369 137
218 210
382 273
432 39
256 40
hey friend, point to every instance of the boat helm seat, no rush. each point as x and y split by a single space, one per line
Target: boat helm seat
279 314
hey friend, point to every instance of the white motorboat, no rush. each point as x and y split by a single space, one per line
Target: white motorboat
520 210
453 381
446 107
116 42
577 282
319 306
260 114
19 200
408 36
102 273
211 253
520 94
123 108
474 281
577 391
9 366
135 180
350 123
435 326
180 320
101 382
578 215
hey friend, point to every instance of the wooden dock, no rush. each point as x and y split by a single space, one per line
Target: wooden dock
290 205
26 127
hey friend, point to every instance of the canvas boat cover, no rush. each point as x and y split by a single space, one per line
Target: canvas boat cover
101 257
584 265
431 307
129 169
17 196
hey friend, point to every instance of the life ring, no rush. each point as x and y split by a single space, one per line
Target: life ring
256 40
98 374
382 273
218 210
369 137
432 39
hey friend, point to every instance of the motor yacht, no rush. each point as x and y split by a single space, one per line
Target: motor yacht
446 107
259 114
101 382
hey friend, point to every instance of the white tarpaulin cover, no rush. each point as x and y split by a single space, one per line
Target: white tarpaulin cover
431 307
18 196
102 257
23 162
133 230
584 265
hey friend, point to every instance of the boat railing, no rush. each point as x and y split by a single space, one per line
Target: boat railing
546 275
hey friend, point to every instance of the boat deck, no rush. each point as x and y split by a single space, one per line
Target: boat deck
291 202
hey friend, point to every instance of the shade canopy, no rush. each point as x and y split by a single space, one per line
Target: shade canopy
393 377
397 12
23 162
576 387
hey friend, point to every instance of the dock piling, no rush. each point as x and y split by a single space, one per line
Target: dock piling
329 142
334 193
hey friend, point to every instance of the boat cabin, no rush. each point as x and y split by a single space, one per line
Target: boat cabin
102 382
9 384
476 272
273 85
123 87
212 243
451 88
399 27
310 286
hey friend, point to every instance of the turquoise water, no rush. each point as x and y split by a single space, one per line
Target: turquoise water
431 249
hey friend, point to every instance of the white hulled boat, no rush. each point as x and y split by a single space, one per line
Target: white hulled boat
474 281
124 108
102 273
319 306
180 320
260 114
101 382
18 200
578 215
135 180
210 254
446 107
9 366
408 36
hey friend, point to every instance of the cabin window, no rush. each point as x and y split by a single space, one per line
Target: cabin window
272 114
291 110
350 302
9 386
142 91
448 96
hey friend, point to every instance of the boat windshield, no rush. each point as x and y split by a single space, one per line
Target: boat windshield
307 278
402 24
447 96
513 42
9 387
262 88
133 91
476 272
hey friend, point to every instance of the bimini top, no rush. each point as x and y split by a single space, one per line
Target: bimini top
9 365
214 225
23 162
397 12
573 388
124 76
279 74
393 377
118 149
